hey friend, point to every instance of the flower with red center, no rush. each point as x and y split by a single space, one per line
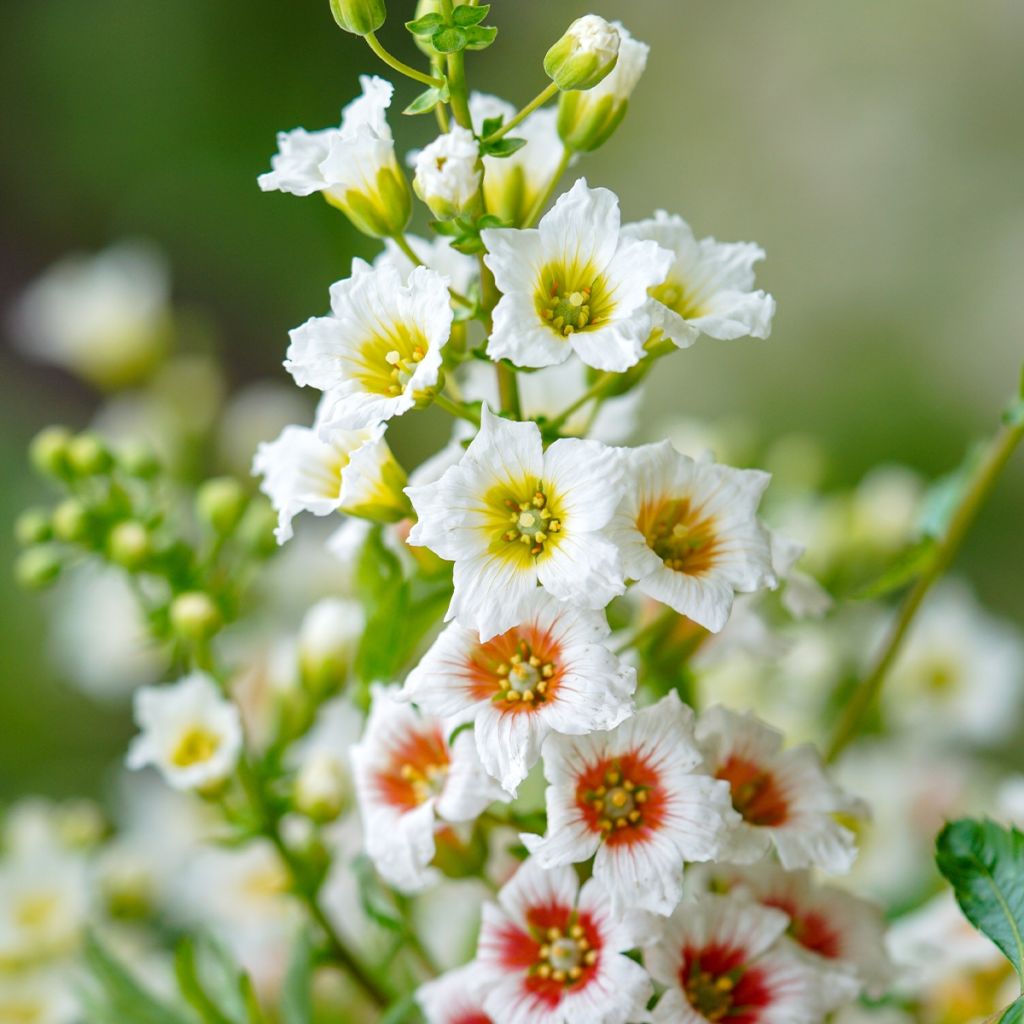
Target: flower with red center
551 673
835 929
688 532
453 998
550 952
409 781
630 797
724 961
784 797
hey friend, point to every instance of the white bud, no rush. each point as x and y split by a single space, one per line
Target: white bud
321 789
328 639
584 55
448 174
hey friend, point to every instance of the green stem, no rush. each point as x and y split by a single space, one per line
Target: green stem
403 69
456 409
403 243
542 200
596 390
538 101
998 454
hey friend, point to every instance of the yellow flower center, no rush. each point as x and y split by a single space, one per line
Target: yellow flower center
427 781
680 299
618 802
679 535
35 910
531 524
572 299
565 954
196 745
711 996
389 359
526 678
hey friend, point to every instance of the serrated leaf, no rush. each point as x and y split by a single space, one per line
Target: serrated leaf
491 125
479 37
906 567
424 103
425 26
297 991
501 147
1013 1014
984 863
464 16
449 39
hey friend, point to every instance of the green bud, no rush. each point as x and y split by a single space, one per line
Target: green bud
360 17
137 458
256 530
321 790
72 522
220 503
194 616
129 545
33 527
48 451
38 567
584 55
87 455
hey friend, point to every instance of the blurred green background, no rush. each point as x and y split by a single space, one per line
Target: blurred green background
875 149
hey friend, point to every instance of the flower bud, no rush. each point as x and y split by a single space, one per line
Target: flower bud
87 455
586 120
138 459
129 545
220 503
256 530
360 17
382 207
38 567
448 174
320 788
33 527
328 639
48 451
194 616
584 55
72 522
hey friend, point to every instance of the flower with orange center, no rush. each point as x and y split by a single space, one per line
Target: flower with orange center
549 674
550 952
512 515
784 798
724 960
630 799
409 782
688 532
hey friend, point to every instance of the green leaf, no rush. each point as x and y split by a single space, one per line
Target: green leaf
479 37
425 26
297 992
984 862
425 102
401 1011
464 15
906 567
187 973
501 147
491 125
1014 1014
449 39
372 896
946 494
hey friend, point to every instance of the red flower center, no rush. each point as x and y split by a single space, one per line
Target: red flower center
621 798
756 795
417 769
721 986
517 670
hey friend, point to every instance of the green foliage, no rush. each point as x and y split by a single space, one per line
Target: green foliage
462 32
464 232
984 863
501 147
903 570
297 991
1014 1014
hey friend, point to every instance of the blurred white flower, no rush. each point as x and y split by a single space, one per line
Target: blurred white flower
189 732
256 413
40 996
573 284
512 515
453 998
104 317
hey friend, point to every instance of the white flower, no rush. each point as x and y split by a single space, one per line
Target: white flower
514 184
631 798
41 996
802 596
960 673
511 516
105 317
783 796
324 471
688 532
448 173
550 673
550 952
710 285
452 998
409 779
190 732
573 284
379 353
587 118
547 392
843 935
354 166
721 958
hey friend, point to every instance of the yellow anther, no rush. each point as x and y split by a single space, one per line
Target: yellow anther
544 970
634 817
512 695
548 671
724 983
605 825
590 958
558 975
527 696
621 823
577 931
553 934
641 796
393 358
612 777
575 972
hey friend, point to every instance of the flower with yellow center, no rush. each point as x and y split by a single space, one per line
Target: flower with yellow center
512 516
573 284
688 532
379 352
709 288
350 471
549 673
189 732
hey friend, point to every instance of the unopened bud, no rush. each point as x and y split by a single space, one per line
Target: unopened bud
137 458
88 455
328 639
448 174
360 17
194 616
72 522
33 527
221 503
49 449
256 530
38 567
129 545
320 789
584 55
